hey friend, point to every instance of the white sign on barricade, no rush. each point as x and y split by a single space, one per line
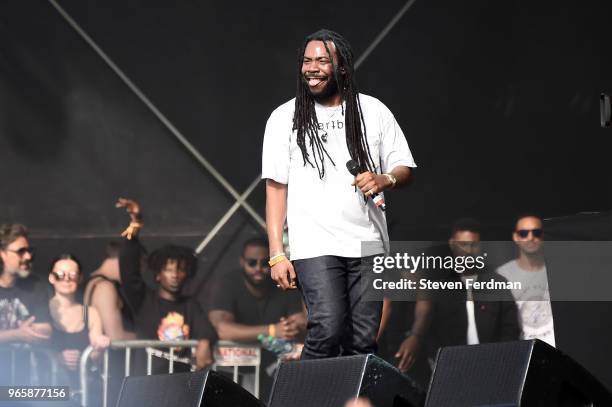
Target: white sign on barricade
237 355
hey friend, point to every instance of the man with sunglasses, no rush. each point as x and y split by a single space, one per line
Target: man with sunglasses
24 301
24 306
251 304
529 268
248 304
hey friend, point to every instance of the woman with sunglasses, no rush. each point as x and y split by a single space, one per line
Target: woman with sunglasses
75 326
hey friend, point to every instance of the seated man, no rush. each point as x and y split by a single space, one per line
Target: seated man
163 313
24 301
103 293
472 316
249 304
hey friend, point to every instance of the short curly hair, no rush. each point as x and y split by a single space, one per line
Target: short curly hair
184 256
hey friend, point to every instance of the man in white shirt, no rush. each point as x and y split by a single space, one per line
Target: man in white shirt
329 212
529 268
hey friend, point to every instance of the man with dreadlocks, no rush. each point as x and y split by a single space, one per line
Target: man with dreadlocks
329 212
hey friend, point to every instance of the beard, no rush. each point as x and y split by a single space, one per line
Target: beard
330 89
264 283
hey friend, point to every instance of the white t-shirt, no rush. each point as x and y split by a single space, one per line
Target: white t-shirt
532 300
329 216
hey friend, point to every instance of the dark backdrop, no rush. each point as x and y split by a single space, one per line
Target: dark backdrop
499 102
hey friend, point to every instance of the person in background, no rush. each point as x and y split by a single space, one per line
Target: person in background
529 268
24 314
76 326
163 313
24 306
472 316
249 304
104 294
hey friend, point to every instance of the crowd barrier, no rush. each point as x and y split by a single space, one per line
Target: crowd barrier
35 356
226 354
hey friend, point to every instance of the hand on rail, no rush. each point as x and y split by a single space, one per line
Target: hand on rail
203 355
100 342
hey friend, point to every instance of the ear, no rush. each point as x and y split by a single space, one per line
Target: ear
157 278
515 236
52 279
242 261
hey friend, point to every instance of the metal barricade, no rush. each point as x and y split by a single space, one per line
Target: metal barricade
237 354
226 352
33 361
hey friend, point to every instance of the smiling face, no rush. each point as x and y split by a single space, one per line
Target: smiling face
65 276
17 257
318 72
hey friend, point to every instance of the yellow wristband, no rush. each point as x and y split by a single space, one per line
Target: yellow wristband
132 230
272 330
277 259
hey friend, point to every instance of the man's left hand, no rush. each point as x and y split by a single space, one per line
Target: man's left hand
370 183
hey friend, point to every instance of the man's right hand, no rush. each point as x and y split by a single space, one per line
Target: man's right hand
27 332
284 275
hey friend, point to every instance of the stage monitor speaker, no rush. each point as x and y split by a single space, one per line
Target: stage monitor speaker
508 374
203 388
331 382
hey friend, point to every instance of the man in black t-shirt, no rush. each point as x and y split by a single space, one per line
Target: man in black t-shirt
24 301
249 304
164 313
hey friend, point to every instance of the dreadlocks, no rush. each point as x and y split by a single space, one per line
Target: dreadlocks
305 118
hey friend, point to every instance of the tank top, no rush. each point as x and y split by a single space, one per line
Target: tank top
72 340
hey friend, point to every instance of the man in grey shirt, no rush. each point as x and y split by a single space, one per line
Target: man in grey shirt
529 268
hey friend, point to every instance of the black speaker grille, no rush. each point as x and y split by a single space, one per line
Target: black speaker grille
484 375
320 383
180 389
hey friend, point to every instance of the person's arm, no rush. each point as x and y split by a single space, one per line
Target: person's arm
384 319
97 339
228 329
105 300
132 282
410 347
370 183
276 212
28 331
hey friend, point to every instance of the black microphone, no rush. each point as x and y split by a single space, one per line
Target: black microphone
379 200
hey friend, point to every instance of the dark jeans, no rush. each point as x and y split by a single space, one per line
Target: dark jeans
339 321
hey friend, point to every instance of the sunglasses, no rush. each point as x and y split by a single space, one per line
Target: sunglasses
21 252
254 262
523 233
60 275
